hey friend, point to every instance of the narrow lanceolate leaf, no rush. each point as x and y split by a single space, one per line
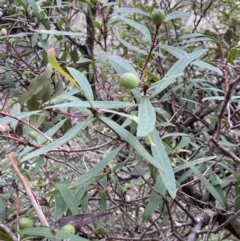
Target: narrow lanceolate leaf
237 191
55 144
37 85
96 169
146 117
176 14
132 140
95 104
176 70
130 46
155 199
83 82
120 65
131 10
22 115
48 233
206 183
53 62
60 206
143 29
15 110
160 154
68 197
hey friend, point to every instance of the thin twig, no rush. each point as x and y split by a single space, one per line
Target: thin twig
30 193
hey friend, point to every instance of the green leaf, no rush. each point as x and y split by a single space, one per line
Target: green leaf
155 198
95 104
176 14
35 8
96 169
120 65
5 236
22 3
146 117
237 191
3 205
50 132
83 83
59 89
160 154
38 84
55 144
68 197
208 66
176 70
59 3
143 29
206 184
16 109
232 54
131 10
130 46
129 138
179 53
48 233
22 115
63 33
60 205
8 74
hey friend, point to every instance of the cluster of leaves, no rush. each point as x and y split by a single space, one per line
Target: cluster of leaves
158 160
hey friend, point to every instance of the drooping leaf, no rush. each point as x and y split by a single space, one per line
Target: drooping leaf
59 89
35 8
21 115
175 15
176 70
143 29
131 10
60 205
48 233
130 46
55 144
155 198
53 62
3 205
146 117
120 65
132 140
232 54
37 85
237 191
68 197
161 156
16 109
207 184
83 83
95 104
8 74
96 169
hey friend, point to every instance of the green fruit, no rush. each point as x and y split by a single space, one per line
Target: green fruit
68 228
25 223
129 81
4 31
157 16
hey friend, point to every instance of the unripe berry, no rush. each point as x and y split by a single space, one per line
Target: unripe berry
129 81
4 31
68 228
25 223
157 16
